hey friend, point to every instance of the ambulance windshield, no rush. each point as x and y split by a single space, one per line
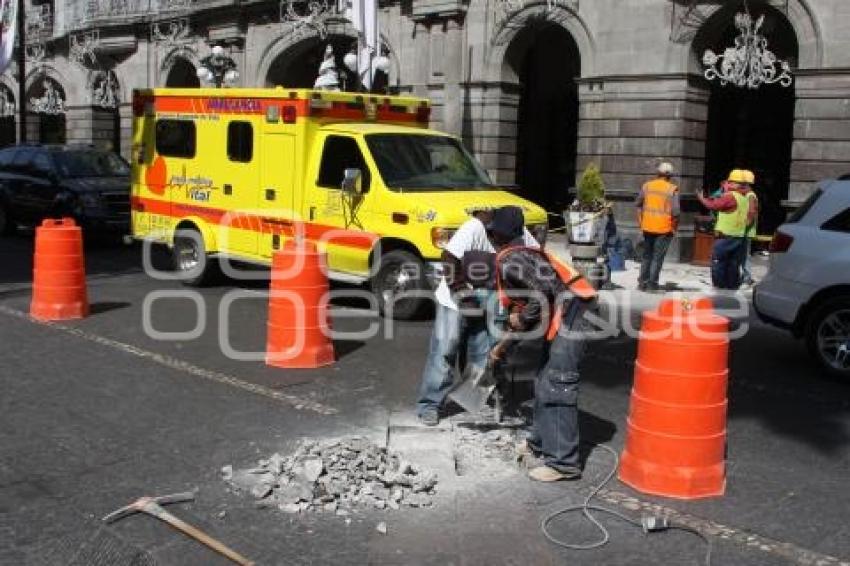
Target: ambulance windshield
412 162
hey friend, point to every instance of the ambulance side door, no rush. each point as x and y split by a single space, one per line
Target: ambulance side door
237 177
333 215
275 200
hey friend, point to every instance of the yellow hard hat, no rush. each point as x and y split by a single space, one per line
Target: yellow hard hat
751 177
738 176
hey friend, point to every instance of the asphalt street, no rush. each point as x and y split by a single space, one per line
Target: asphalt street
98 412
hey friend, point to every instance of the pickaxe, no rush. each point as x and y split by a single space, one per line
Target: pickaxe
153 507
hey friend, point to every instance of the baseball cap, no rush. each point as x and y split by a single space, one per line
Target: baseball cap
665 168
507 222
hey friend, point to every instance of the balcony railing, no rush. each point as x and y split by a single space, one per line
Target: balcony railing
98 13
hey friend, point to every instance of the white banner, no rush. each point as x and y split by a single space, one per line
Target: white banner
8 25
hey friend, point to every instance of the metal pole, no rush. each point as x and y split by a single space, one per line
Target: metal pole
22 75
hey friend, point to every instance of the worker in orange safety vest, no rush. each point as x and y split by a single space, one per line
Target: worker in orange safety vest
658 218
545 297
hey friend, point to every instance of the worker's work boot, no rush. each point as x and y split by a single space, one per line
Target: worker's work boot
547 474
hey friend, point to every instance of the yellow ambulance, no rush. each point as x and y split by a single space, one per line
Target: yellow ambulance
236 172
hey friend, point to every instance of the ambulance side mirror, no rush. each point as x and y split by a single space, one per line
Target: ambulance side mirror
352 181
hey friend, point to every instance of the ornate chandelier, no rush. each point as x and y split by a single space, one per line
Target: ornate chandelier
313 18
105 91
7 103
51 102
172 29
749 63
83 47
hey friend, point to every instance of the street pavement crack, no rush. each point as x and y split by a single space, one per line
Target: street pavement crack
299 403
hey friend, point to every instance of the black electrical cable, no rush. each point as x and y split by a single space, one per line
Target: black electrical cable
586 507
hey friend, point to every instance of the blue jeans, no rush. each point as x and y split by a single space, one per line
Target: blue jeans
726 263
654 249
555 434
451 332
746 274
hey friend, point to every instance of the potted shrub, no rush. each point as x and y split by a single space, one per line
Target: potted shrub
587 215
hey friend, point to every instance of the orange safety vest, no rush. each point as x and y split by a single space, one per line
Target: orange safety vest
657 211
570 276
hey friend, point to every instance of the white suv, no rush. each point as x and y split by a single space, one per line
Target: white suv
807 288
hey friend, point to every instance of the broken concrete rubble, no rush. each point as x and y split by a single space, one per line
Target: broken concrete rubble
336 476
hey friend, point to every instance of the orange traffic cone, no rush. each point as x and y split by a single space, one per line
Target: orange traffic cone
59 274
676 429
298 325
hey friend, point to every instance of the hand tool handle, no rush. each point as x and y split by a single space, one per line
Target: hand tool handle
201 536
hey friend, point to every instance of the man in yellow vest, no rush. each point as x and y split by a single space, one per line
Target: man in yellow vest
658 218
733 217
752 228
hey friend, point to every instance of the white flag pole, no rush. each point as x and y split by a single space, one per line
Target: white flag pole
8 25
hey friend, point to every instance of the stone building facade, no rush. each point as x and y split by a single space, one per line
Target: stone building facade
537 89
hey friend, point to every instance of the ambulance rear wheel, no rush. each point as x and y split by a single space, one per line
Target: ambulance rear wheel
400 285
191 262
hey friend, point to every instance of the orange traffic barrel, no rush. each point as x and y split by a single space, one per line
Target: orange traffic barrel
676 428
298 322
59 273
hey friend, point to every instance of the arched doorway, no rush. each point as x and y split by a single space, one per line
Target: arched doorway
751 128
298 66
182 74
46 115
545 58
7 116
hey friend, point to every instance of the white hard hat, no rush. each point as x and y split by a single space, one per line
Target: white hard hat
665 168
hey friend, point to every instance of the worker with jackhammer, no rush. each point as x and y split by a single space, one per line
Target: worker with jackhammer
545 297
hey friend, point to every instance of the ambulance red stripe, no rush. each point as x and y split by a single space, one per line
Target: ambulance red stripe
256 223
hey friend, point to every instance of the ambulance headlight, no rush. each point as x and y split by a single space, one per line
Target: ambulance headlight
540 232
440 236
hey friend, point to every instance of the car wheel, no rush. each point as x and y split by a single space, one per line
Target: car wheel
7 224
191 262
400 273
828 336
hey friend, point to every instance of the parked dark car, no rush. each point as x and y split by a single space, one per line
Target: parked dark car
52 181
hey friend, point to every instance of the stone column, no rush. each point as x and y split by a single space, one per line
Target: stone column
490 127
125 113
79 124
821 147
628 124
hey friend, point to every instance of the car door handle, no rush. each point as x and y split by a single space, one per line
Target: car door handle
270 194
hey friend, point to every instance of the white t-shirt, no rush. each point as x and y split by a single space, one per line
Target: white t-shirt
470 237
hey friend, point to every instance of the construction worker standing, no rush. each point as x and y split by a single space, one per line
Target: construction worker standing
733 217
537 289
752 228
658 218
453 329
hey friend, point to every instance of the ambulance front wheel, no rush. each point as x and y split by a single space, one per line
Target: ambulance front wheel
400 285
191 262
